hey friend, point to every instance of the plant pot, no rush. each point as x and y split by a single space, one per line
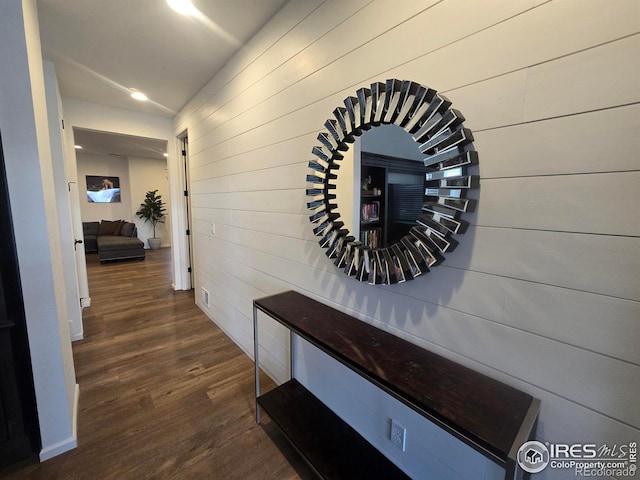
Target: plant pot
154 243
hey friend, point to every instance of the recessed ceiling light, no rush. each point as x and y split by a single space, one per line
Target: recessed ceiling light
184 7
139 96
165 154
77 147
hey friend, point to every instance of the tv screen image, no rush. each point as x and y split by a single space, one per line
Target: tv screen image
102 189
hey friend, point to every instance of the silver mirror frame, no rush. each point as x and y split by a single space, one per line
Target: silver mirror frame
439 132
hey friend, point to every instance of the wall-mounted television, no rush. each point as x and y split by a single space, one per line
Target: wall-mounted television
103 189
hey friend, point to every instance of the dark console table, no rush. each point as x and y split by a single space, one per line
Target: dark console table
491 417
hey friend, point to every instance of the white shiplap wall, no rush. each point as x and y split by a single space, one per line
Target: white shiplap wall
543 292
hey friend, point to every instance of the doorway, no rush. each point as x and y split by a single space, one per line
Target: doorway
137 164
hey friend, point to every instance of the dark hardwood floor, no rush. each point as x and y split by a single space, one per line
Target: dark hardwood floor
164 394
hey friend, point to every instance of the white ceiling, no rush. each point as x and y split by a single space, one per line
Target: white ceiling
118 145
104 48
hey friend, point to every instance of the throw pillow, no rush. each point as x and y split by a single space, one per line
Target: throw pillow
118 227
127 229
107 227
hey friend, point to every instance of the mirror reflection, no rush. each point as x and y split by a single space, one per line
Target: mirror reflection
388 182
380 189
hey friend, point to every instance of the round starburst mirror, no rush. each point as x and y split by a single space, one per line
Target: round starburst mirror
407 213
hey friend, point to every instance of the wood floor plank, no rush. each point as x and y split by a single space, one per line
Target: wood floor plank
164 394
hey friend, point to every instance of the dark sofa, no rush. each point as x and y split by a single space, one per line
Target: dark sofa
112 240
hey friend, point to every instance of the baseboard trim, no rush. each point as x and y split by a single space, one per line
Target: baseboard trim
68 443
58 448
77 336
76 409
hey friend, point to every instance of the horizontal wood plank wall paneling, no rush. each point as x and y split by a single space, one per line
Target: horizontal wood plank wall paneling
582 197
487 299
245 89
369 50
487 55
532 94
259 159
592 142
542 293
333 43
285 201
596 141
282 23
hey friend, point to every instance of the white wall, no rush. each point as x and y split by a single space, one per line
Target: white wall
147 174
543 292
30 173
91 164
117 120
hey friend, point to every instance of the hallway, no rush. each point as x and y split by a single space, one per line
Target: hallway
164 394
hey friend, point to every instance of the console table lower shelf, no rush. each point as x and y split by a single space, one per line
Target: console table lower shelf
332 448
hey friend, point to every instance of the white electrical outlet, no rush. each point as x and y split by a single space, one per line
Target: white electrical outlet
398 435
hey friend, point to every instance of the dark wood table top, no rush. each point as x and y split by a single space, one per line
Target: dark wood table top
477 408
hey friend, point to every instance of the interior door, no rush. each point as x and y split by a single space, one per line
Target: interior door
81 261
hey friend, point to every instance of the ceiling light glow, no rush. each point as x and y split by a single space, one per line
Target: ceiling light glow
183 7
165 154
139 96
78 147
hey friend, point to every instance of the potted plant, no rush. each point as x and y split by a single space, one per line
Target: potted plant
152 210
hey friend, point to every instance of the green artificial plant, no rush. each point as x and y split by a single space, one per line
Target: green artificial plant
152 210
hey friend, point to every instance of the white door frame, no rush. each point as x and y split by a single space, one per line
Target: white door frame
181 218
